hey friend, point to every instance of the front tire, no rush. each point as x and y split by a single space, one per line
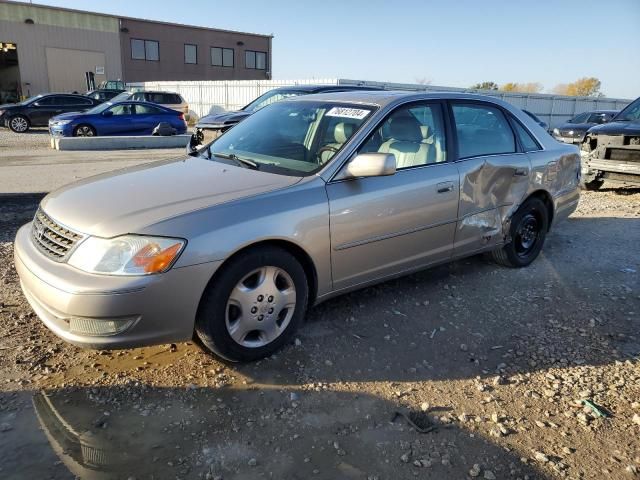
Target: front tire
252 307
19 124
84 130
528 231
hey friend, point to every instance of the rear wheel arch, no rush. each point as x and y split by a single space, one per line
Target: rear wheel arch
547 199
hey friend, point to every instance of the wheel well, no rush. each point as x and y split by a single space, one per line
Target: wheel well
548 202
300 255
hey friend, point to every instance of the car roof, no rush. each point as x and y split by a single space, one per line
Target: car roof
61 93
156 91
327 88
381 98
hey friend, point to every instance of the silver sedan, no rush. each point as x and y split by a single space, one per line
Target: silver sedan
306 199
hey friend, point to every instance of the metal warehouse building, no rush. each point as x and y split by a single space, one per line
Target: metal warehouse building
46 49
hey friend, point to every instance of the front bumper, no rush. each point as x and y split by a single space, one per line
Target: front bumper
161 308
61 130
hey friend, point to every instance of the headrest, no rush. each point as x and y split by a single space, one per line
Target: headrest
424 131
405 129
342 132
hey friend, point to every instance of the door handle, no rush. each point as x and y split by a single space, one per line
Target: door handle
521 172
445 187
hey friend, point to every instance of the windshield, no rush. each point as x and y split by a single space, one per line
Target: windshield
98 108
631 113
270 97
121 97
291 138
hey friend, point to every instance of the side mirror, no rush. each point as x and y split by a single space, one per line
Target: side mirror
370 165
107 113
36 104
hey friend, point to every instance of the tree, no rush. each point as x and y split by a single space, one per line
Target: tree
531 87
485 86
583 87
423 81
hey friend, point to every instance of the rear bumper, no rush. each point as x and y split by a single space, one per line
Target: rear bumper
74 305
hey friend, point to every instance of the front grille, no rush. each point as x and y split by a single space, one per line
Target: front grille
51 238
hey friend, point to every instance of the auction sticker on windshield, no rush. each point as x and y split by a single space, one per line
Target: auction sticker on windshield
346 112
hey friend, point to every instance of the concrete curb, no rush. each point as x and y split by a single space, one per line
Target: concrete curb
119 143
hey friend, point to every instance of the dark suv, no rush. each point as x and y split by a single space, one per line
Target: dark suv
612 150
211 126
36 111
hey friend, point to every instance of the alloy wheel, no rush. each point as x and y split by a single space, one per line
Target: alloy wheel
84 131
260 307
19 124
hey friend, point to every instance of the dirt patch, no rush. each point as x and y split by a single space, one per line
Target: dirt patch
498 361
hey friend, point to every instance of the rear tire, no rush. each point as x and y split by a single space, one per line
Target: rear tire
19 124
84 130
253 305
528 231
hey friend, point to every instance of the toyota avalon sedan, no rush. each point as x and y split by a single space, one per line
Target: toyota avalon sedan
304 200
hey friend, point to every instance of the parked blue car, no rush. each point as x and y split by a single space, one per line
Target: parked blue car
121 118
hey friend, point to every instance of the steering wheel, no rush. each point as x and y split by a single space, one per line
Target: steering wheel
326 148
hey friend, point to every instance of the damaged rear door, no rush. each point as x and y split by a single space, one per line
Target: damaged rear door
494 174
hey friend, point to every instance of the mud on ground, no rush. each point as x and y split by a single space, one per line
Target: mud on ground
494 363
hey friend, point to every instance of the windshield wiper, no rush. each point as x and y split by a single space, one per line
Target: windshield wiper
232 156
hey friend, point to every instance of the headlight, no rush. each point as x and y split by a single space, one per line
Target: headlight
60 122
127 255
556 131
1 112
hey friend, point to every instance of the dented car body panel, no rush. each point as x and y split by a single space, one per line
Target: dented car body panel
347 232
612 151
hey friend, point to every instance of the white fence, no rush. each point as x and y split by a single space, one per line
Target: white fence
233 95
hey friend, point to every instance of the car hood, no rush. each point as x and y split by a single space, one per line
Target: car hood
7 106
129 200
68 116
617 128
224 118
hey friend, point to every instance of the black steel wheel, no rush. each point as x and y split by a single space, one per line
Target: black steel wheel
529 227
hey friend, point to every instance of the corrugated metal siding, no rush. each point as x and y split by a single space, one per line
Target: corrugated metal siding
232 95
66 68
32 41
42 15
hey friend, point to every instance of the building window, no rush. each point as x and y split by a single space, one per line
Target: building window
145 50
221 57
257 60
190 53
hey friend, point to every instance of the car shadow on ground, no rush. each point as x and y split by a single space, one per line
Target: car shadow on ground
575 305
138 431
468 318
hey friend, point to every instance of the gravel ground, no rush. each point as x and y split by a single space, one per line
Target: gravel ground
468 370
28 164
34 139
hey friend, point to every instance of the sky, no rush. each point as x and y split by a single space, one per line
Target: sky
449 43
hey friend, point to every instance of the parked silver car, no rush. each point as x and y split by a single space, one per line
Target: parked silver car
306 199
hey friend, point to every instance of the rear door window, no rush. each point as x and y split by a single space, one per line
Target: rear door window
148 110
482 130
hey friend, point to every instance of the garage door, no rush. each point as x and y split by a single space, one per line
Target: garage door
66 69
